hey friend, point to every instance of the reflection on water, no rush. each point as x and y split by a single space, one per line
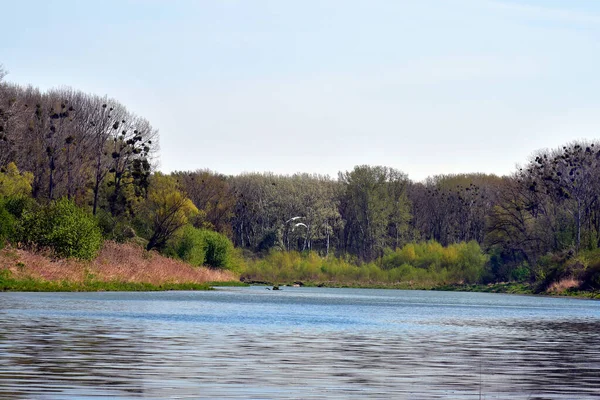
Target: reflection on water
300 343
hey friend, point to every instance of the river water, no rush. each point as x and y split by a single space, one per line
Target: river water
305 343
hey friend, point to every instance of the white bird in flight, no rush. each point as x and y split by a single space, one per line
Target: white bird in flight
299 224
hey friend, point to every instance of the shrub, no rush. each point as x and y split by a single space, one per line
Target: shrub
520 273
219 250
17 205
63 227
203 247
591 277
430 261
189 246
7 225
116 229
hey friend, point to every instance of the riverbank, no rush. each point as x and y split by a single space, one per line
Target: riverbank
502 287
128 267
520 288
118 267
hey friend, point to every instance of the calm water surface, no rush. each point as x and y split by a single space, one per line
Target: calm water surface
304 343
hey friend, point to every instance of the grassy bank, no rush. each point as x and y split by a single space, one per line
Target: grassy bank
118 267
10 284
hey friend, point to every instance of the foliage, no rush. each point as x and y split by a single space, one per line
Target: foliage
374 205
17 205
189 246
166 209
422 264
212 195
63 227
13 183
453 208
287 212
203 247
113 228
11 210
590 279
7 225
219 250
539 224
460 262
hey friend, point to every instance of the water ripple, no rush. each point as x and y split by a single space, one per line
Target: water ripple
308 343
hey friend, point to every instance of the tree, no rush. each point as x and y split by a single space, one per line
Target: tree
318 205
374 200
132 143
512 227
212 194
13 183
104 120
453 208
166 208
569 177
11 121
258 214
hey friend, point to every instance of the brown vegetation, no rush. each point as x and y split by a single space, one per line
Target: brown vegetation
116 262
562 285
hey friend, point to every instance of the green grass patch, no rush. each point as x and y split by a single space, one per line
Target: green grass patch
10 284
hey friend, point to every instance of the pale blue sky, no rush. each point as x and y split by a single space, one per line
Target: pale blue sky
424 86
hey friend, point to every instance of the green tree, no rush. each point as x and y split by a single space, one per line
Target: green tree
374 203
212 194
13 183
166 209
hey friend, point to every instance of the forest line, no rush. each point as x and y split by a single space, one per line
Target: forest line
64 150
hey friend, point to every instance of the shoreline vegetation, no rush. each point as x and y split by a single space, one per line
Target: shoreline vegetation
118 267
83 207
129 267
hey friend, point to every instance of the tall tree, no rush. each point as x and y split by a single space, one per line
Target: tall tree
133 142
374 199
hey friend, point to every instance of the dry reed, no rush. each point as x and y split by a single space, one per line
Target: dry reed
116 262
563 285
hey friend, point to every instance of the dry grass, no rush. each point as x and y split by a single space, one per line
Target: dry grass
116 262
563 285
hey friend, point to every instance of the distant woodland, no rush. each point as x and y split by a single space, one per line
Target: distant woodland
84 163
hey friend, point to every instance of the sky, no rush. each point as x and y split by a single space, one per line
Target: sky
427 87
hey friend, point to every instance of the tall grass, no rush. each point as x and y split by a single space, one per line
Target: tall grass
125 266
